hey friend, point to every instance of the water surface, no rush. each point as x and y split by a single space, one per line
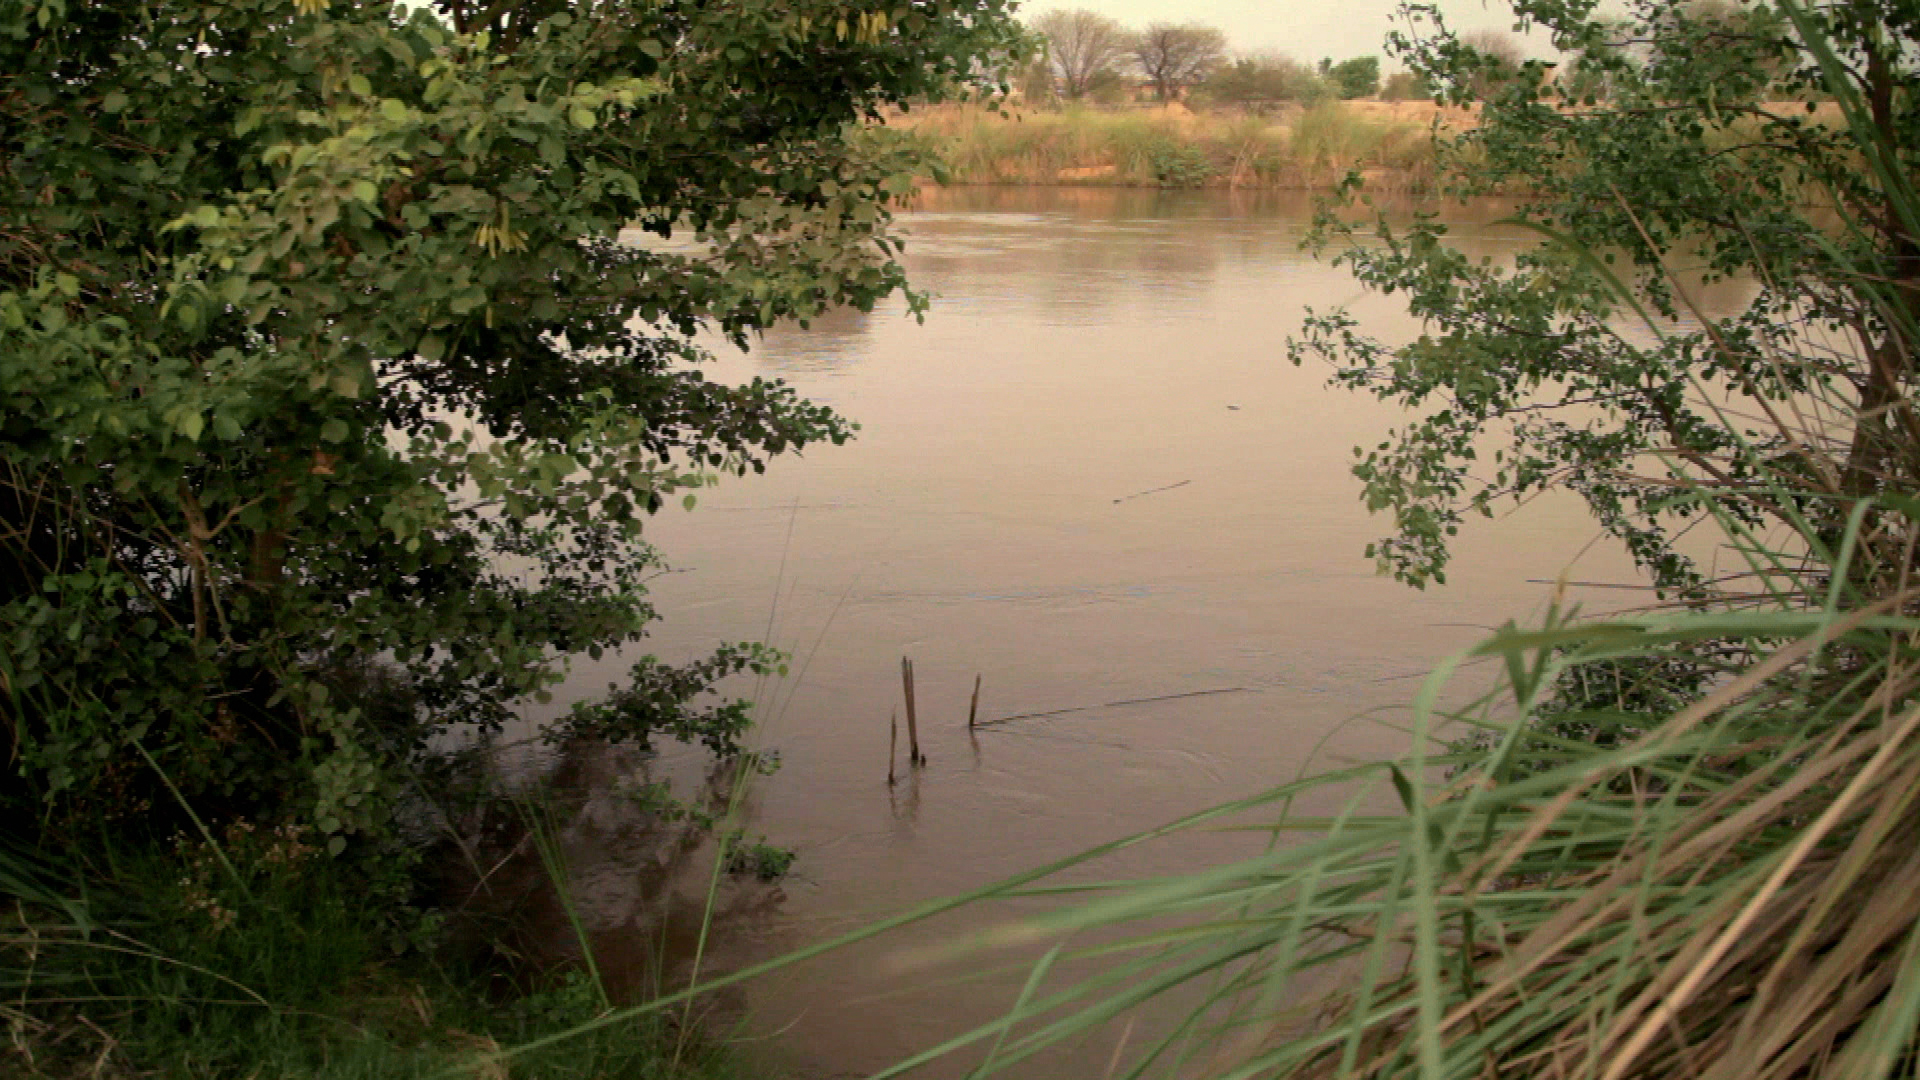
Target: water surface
1091 476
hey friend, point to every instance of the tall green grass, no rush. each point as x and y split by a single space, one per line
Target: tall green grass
252 953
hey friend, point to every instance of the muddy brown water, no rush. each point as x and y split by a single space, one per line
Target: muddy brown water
1091 476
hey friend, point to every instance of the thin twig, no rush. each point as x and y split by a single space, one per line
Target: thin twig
1117 704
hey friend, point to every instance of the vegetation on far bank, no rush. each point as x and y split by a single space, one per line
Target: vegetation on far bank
1312 147
1394 147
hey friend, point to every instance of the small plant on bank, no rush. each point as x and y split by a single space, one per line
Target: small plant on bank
1179 165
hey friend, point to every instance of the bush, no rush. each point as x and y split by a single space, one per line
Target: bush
1179 165
318 346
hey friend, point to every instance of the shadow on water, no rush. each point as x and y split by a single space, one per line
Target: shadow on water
632 880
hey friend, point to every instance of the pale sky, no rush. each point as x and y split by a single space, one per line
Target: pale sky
1305 29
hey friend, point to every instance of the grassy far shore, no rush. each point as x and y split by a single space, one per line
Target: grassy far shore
1394 146
1391 144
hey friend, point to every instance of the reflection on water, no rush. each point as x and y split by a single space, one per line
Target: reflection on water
1092 478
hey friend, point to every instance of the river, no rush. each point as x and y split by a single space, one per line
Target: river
1090 477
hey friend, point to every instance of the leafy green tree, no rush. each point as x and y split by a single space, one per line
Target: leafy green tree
341 332
1532 375
1355 78
1262 78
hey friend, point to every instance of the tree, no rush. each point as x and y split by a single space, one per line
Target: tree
1033 81
1266 77
320 348
1684 164
1355 78
1084 48
1176 56
1406 86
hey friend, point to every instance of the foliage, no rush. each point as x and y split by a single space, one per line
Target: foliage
1264 78
1084 49
320 343
136 974
1691 25
761 860
1178 55
1683 165
1497 56
1355 78
1033 82
1334 139
1605 704
1405 86
1179 164
1149 148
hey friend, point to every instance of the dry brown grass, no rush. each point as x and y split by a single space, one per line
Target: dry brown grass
1173 146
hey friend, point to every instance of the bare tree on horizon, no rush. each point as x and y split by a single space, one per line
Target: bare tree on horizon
1082 46
1177 55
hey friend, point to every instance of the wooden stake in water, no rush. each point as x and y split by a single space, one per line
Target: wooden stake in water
893 743
914 756
973 710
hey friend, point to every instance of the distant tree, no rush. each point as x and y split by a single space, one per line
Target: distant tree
1109 88
1406 86
1355 78
1035 83
1082 47
1496 44
1492 57
1176 56
1264 77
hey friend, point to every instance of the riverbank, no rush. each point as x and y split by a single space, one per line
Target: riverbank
1391 144
250 951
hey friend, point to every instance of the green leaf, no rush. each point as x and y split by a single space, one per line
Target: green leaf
582 117
334 430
